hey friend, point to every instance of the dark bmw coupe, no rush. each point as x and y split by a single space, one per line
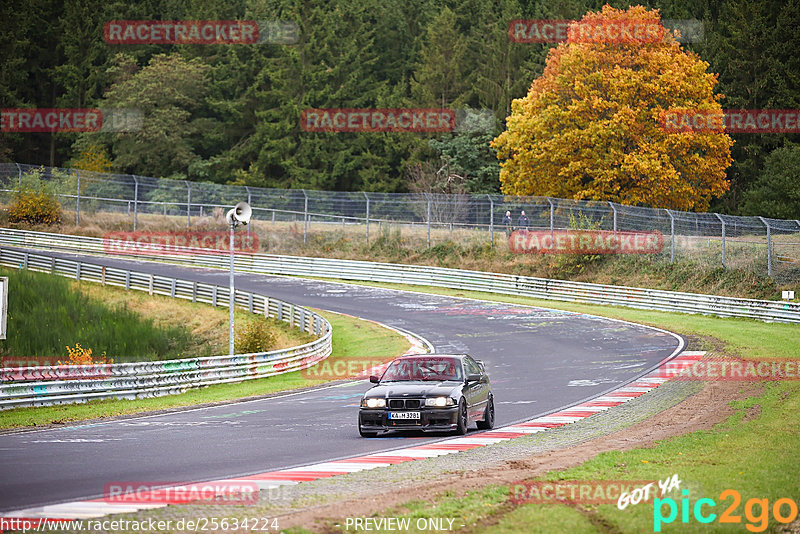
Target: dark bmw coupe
428 392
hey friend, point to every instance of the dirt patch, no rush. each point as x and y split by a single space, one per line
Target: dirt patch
698 412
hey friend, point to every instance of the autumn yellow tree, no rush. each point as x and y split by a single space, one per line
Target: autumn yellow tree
93 158
589 126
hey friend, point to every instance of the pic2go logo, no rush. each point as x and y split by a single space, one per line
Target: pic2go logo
784 510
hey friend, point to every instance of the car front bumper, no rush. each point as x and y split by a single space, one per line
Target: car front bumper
431 420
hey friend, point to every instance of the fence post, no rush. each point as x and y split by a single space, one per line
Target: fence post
188 204
136 200
723 238
305 215
367 213
78 200
614 209
19 178
672 236
552 216
428 198
769 246
491 218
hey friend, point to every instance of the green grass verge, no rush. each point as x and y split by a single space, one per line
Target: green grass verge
351 337
754 452
46 313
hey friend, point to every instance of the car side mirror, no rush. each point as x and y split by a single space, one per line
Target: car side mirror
474 377
374 379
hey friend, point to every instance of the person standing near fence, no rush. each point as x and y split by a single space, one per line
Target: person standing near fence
523 222
507 222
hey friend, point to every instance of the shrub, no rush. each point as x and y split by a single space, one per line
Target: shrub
83 356
254 337
35 204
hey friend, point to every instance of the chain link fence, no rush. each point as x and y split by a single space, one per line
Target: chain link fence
117 201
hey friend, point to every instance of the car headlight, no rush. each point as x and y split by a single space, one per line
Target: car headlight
373 402
439 401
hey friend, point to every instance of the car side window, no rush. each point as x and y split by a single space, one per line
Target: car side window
472 366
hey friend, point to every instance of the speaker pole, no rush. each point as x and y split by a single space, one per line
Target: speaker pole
231 296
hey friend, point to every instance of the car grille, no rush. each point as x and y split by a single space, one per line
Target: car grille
405 404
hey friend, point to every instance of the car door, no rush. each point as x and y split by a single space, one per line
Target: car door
477 393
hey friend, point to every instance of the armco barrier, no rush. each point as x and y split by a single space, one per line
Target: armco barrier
37 386
563 290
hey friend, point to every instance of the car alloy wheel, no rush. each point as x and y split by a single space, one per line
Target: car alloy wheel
488 416
462 417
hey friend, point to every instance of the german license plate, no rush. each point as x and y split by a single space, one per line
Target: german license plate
403 415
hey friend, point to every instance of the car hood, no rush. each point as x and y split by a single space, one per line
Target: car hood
415 389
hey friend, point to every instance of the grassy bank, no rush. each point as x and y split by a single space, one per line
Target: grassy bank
47 313
352 337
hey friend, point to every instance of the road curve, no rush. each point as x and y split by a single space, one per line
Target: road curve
539 360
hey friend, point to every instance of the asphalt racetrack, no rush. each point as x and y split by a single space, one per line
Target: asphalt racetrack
539 360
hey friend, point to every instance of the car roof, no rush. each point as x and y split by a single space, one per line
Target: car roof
432 355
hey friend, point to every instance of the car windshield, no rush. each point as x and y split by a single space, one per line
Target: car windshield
427 368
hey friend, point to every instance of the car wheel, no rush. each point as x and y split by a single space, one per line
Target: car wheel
488 416
366 434
462 417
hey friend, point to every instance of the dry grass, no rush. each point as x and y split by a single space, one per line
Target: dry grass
207 324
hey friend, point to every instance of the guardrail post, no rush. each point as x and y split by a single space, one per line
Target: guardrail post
214 296
672 236
291 315
150 285
172 288
552 216
491 218
188 204
25 261
428 198
78 200
194 291
103 275
305 215
136 200
723 238
128 280
19 177
78 271
367 218
769 246
266 307
614 209
280 310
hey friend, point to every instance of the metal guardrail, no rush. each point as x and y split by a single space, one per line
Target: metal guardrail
507 284
44 385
